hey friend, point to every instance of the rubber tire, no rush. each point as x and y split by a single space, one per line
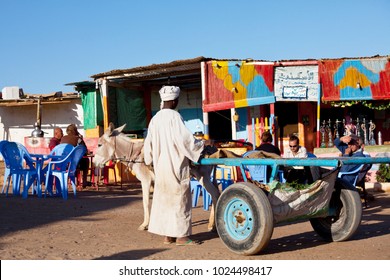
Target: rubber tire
347 206
260 211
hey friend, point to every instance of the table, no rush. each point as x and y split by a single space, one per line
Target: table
39 160
91 169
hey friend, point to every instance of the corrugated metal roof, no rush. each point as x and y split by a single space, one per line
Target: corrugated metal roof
186 69
32 99
174 68
156 70
310 60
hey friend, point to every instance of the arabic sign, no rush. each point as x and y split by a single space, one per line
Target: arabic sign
296 83
295 92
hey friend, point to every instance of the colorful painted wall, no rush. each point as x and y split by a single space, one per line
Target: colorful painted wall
237 84
355 79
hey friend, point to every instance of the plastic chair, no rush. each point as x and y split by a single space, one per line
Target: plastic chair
19 165
226 177
256 172
354 172
281 176
206 199
59 150
361 181
29 161
6 168
197 190
65 170
106 169
62 149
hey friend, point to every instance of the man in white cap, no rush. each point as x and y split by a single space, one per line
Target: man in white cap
171 147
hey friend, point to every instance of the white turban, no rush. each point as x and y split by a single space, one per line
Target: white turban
168 93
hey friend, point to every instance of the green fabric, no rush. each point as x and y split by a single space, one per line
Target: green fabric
127 107
93 111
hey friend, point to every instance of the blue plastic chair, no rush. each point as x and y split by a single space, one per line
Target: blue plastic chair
256 172
355 172
62 149
206 199
64 170
59 150
226 177
19 165
6 169
29 161
196 190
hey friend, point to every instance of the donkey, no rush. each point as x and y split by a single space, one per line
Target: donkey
115 145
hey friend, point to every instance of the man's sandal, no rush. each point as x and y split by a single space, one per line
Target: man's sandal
188 243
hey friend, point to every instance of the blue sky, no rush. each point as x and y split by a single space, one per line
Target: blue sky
48 43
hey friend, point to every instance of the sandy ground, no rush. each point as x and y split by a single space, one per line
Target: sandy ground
103 225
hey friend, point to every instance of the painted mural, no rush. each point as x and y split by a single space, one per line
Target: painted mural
355 79
237 84
296 83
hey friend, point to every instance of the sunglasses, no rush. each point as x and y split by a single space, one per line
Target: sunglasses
293 146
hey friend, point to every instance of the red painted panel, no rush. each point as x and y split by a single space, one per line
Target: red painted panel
221 98
268 74
326 71
381 90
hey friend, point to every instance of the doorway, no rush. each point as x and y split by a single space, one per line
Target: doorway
220 127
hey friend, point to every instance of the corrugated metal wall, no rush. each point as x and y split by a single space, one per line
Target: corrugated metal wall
355 79
236 84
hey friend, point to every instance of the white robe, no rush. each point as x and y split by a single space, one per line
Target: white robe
171 146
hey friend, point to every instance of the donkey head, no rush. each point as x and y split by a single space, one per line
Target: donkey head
107 145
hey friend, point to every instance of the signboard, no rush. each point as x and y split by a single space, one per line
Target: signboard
295 92
296 83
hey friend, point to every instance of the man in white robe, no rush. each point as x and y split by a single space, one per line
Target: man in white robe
171 147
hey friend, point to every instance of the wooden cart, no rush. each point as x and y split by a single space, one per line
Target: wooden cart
244 215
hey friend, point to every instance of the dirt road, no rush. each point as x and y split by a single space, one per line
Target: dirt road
103 225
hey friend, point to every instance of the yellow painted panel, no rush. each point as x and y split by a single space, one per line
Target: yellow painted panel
352 77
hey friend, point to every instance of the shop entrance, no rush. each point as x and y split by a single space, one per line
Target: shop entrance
296 118
287 113
220 127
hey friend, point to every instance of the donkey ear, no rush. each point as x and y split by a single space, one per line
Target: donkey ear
119 129
109 129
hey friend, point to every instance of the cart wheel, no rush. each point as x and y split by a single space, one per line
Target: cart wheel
244 218
346 213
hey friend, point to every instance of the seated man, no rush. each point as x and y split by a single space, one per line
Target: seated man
74 138
56 139
298 174
267 146
349 146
